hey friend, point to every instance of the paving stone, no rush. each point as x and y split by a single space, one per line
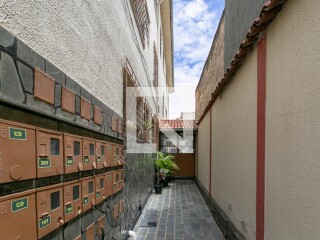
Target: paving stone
28 55
26 75
6 38
10 86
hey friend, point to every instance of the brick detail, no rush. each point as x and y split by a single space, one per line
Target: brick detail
43 87
85 109
68 100
97 115
120 127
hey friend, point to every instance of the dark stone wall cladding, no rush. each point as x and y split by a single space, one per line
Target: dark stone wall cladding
17 64
17 71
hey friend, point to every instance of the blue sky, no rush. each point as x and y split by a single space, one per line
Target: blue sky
195 23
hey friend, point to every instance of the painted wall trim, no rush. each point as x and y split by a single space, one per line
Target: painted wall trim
261 127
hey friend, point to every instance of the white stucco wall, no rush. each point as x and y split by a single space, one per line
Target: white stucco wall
292 123
88 40
203 157
234 117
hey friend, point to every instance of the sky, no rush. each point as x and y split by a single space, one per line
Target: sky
195 23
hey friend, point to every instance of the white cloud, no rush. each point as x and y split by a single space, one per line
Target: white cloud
195 23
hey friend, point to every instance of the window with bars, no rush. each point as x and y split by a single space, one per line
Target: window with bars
140 11
155 66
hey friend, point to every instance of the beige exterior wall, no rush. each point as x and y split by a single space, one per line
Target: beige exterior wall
292 123
203 155
234 118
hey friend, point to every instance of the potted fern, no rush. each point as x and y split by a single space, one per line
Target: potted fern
165 163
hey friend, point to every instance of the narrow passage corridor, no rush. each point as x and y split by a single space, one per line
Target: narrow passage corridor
180 213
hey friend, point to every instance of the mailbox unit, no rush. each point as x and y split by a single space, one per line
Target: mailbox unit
100 188
72 199
72 153
17 152
49 209
89 155
115 155
121 157
90 232
101 151
109 184
102 227
18 216
88 193
49 153
109 154
115 185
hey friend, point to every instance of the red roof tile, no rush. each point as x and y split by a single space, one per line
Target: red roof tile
178 124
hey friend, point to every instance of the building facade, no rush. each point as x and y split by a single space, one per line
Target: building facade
257 157
64 71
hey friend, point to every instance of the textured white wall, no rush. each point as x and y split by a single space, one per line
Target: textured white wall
292 123
203 167
234 123
88 40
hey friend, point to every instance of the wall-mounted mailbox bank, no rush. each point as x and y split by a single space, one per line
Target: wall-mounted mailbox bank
18 216
116 179
17 152
72 199
49 209
100 188
89 154
101 154
88 193
49 153
109 154
72 153
109 184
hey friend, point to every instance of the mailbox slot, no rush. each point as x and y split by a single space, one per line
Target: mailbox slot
109 184
72 199
18 216
102 227
116 179
72 153
89 154
100 188
121 206
88 193
49 209
109 154
17 152
49 153
116 209
101 152
90 232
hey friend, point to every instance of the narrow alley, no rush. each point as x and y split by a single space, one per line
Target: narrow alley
179 213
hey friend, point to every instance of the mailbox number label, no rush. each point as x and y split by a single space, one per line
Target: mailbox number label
98 194
86 160
44 163
85 200
17 133
45 221
19 204
69 161
69 208
99 159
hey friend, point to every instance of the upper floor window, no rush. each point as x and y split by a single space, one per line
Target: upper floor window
140 11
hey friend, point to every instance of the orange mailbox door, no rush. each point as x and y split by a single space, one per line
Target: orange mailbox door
72 200
88 193
109 184
100 188
102 227
49 209
72 153
89 155
49 153
17 152
18 216
115 155
121 157
115 186
101 155
90 232
109 154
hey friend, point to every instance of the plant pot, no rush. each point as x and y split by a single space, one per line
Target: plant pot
158 189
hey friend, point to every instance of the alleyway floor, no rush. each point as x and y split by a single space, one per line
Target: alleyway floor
180 213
